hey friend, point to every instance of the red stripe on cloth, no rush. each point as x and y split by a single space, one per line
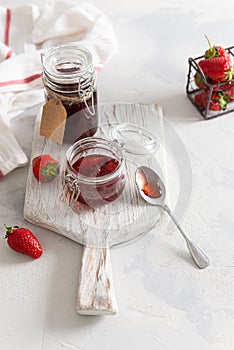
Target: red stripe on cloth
7 26
97 68
1 175
9 54
21 81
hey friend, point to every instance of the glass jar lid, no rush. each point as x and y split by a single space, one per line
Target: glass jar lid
134 139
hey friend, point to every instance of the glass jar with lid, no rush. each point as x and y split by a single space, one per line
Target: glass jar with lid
68 75
94 172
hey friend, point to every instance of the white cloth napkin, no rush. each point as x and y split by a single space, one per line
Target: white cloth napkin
25 32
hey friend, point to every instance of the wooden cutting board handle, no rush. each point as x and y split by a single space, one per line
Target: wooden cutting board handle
96 295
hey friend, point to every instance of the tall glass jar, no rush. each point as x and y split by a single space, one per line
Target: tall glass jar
69 76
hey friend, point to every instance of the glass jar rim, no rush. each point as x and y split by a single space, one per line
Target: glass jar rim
100 143
75 54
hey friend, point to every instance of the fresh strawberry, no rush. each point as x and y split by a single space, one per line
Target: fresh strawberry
229 90
218 69
214 51
217 64
22 240
219 51
45 168
199 81
219 100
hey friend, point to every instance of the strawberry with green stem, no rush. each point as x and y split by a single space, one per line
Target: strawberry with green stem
45 168
23 241
214 51
218 101
228 89
199 81
217 64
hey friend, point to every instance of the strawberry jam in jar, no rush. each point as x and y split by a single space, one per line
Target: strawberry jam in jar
94 172
69 76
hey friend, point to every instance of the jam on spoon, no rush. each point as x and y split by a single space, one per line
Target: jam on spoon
150 185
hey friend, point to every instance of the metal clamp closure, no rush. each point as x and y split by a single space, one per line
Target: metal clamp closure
72 183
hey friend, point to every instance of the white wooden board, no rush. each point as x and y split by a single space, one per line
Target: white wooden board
98 229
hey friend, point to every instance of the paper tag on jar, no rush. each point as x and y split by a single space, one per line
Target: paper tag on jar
53 120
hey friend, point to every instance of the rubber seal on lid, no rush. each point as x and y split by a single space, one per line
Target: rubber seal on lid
134 139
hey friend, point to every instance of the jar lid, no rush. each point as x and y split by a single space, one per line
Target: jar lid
134 139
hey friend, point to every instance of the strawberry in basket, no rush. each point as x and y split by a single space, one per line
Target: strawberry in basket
217 64
228 89
201 83
218 101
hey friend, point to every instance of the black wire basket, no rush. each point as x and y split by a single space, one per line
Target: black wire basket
204 90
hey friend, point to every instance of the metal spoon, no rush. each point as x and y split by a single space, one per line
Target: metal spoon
152 190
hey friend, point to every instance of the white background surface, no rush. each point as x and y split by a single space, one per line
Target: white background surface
164 301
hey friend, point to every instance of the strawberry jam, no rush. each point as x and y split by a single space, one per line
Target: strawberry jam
68 75
152 189
80 123
94 173
95 165
98 166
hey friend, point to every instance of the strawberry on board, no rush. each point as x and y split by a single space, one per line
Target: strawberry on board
45 168
217 64
23 241
218 102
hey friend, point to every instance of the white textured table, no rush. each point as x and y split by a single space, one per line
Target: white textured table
164 302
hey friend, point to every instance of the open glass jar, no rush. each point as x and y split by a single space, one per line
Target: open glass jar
68 75
93 172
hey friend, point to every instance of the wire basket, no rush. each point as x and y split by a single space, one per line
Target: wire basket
205 90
